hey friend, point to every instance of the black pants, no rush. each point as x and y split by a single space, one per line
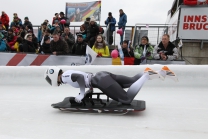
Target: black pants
92 41
113 85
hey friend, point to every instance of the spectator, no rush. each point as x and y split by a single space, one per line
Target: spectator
58 46
48 33
42 31
16 22
15 29
87 23
28 45
83 31
3 27
69 38
45 48
53 28
3 46
3 31
5 20
34 39
62 17
127 51
92 32
15 15
165 50
79 48
122 23
112 21
100 47
48 24
18 44
22 32
143 51
28 24
11 39
56 18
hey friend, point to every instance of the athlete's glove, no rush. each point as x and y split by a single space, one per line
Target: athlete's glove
79 98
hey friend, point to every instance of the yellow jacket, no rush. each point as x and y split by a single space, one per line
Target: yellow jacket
105 52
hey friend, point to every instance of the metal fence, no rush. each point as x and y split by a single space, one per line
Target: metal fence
134 33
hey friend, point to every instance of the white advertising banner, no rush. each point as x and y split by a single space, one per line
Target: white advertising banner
193 23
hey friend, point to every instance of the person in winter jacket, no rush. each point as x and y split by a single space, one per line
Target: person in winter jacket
92 32
69 38
5 20
16 22
127 50
112 21
165 50
143 51
11 39
79 48
122 23
45 47
100 47
28 45
28 24
59 46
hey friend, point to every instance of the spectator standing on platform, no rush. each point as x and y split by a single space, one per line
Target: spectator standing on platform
100 47
22 32
165 50
122 23
143 51
92 32
112 21
87 23
28 24
5 20
56 18
58 46
79 48
69 38
16 22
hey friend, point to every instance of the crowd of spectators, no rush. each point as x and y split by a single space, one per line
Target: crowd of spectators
56 38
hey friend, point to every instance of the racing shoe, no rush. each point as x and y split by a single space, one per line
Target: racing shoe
152 74
169 74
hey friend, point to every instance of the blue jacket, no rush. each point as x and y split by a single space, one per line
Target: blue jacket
3 46
122 21
113 23
40 35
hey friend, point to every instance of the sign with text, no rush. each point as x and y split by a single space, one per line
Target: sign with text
193 23
78 12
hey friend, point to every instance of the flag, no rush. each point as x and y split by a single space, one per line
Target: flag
90 56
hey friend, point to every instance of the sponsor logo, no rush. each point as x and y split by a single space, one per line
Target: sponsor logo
88 59
51 71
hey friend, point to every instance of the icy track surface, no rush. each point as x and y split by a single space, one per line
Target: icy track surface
173 110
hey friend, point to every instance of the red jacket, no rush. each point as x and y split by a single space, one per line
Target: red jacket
12 42
53 21
5 19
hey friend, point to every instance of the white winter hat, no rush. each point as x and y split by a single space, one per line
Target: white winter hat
92 19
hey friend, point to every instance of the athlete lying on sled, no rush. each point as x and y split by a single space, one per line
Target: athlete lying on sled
110 84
